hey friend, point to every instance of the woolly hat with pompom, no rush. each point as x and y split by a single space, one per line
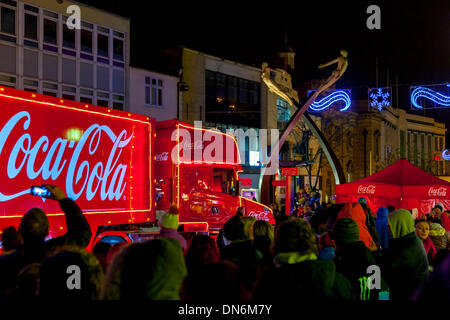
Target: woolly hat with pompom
170 219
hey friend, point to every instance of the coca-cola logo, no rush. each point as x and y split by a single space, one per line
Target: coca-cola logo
437 192
197 145
368 189
108 179
259 215
162 156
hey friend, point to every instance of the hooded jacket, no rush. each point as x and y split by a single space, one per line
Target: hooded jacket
405 263
356 212
304 277
353 259
382 227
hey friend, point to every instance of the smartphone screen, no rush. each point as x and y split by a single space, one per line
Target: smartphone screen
39 191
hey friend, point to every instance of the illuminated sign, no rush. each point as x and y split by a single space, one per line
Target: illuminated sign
380 98
430 97
341 97
446 154
245 182
85 150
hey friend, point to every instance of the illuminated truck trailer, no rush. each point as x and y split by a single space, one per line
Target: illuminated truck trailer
100 157
116 165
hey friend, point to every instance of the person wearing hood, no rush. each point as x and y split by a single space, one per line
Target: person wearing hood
370 220
151 270
353 259
382 227
356 212
405 263
297 272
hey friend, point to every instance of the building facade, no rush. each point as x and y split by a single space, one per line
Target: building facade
228 96
41 54
153 94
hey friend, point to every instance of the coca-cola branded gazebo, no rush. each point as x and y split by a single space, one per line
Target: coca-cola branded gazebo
402 185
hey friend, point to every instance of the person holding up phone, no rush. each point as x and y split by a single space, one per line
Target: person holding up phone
34 228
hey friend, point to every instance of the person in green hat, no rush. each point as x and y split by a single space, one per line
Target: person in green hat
405 263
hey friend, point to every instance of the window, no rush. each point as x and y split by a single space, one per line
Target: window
103 45
232 90
118 49
86 100
153 92
283 113
243 91
30 85
86 40
50 31
68 36
8 20
102 99
118 102
50 89
86 96
31 26
224 181
8 81
69 93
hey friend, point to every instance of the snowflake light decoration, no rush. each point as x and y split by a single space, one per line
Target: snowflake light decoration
380 98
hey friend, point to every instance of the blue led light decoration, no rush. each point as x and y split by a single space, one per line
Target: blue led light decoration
336 96
380 98
446 154
430 97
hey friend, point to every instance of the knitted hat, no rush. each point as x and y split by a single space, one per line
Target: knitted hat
170 219
346 231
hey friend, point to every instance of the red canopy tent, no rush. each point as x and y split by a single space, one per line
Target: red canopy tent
402 185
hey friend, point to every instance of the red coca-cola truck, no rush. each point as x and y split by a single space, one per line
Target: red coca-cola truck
121 168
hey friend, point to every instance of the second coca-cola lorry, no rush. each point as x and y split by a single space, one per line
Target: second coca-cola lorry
116 165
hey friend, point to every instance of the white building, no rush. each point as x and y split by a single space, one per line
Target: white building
153 94
39 53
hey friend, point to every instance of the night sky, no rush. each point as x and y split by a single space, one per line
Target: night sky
413 43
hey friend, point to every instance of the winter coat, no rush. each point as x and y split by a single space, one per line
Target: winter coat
78 233
249 260
382 227
405 263
305 278
352 260
356 212
173 233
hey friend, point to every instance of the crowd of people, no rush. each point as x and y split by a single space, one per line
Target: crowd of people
336 252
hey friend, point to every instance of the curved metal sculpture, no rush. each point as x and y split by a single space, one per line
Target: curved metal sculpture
275 88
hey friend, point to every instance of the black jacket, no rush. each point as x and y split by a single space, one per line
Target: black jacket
352 260
307 280
405 266
247 258
78 233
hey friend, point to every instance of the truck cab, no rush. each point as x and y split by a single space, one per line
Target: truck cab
197 169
